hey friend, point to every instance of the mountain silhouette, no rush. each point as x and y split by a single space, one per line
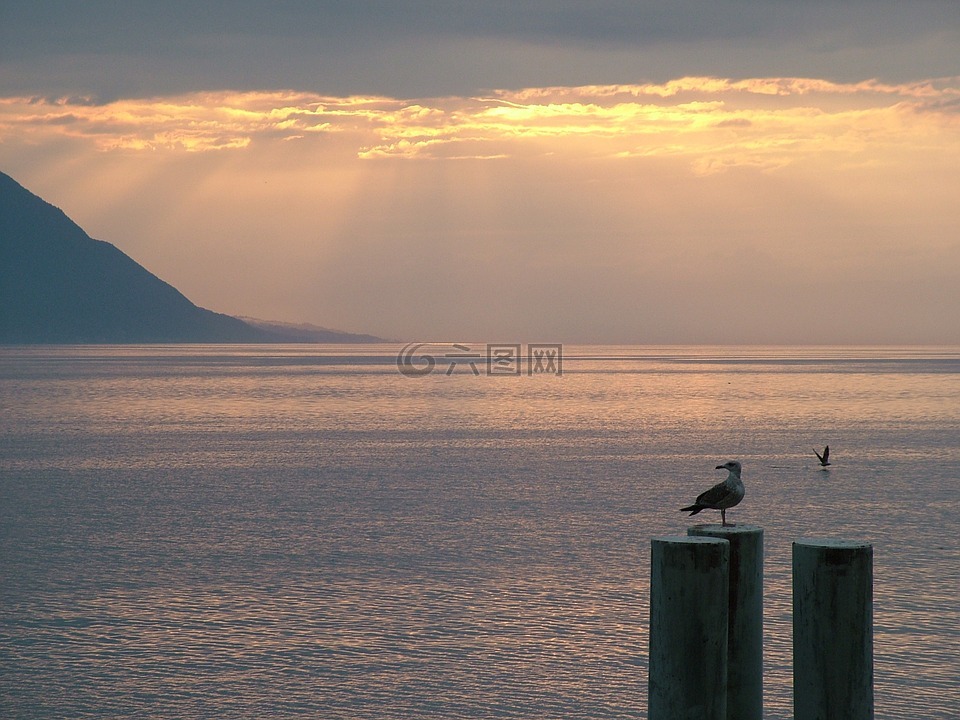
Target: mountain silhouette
58 285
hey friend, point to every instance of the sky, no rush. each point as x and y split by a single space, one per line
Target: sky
613 171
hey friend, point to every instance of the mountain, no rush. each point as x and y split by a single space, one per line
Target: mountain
307 333
58 285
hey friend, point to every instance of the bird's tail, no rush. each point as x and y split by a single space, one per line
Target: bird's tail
694 509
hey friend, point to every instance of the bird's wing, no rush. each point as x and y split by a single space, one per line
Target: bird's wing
820 457
826 453
715 495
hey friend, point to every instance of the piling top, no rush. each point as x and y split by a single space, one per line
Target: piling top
832 543
686 540
718 529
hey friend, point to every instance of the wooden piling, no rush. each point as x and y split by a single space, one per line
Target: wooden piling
689 591
832 629
745 623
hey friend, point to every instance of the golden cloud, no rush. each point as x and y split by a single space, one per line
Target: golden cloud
718 123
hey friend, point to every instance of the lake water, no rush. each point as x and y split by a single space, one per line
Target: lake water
304 531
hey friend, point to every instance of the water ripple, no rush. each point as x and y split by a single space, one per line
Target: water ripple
233 538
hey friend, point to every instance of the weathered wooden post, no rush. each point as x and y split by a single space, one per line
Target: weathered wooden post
745 625
832 629
688 628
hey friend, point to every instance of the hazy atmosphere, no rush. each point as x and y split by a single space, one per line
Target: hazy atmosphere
358 358
605 172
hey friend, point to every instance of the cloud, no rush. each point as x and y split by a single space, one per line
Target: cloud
432 47
728 121
699 209
701 170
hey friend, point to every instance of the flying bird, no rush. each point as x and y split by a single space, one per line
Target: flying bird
721 496
825 458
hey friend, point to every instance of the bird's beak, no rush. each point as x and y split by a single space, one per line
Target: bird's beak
721 467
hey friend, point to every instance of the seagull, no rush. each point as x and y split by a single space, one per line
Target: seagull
825 458
721 496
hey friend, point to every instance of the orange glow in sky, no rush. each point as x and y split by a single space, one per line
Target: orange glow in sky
697 210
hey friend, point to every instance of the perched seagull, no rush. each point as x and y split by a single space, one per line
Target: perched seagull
825 458
722 496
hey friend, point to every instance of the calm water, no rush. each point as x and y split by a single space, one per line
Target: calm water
302 531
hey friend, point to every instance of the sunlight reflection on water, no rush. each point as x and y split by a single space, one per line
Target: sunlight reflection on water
240 531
